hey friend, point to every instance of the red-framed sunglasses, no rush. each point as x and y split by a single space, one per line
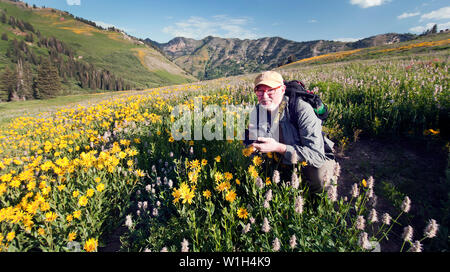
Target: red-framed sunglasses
260 92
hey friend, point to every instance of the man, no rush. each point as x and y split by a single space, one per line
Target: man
279 134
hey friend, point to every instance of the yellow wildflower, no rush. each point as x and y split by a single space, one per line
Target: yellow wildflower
207 194
218 177
82 201
10 236
217 159
100 187
230 196
77 214
188 197
91 245
72 236
41 231
252 171
50 216
90 192
242 213
257 161
204 162
364 183
122 154
75 193
228 176
248 151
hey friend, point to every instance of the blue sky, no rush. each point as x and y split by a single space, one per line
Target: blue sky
297 20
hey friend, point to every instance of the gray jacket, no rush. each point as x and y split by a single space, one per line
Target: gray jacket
307 143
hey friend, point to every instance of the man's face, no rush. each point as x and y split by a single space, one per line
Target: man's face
268 97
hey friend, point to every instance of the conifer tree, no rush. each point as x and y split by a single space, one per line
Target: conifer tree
48 82
9 84
6 84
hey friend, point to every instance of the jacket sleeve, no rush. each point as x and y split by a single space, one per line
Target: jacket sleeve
311 146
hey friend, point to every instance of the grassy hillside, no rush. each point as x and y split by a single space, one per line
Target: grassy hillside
106 49
425 44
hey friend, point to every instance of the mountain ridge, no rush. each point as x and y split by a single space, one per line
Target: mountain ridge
214 57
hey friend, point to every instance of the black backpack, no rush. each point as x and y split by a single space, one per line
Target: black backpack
296 89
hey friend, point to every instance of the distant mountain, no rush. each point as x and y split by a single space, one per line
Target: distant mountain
214 57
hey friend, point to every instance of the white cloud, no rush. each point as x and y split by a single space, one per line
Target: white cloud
443 13
73 2
407 15
219 25
421 29
347 39
368 3
312 21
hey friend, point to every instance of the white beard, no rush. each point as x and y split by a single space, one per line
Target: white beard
270 107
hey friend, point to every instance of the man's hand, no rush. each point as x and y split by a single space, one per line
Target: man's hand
267 145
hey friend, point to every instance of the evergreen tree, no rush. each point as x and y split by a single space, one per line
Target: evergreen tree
6 83
48 82
3 18
9 84
434 29
5 37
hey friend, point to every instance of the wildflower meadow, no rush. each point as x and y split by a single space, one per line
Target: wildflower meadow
70 178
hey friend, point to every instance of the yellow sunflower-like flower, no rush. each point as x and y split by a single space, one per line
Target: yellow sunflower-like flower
218 177
228 176
207 194
204 162
50 216
72 236
82 201
257 161
91 245
242 213
231 196
364 183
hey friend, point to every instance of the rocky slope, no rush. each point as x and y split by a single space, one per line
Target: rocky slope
214 57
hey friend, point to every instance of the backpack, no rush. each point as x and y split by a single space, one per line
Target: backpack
296 89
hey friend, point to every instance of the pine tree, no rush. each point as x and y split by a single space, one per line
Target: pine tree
434 29
6 84
48 82
5 37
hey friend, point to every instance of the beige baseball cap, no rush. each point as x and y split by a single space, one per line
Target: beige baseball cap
269 78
